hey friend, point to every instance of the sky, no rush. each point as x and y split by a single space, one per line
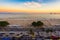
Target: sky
30 6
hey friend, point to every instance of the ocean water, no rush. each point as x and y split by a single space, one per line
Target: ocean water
53 19
28 16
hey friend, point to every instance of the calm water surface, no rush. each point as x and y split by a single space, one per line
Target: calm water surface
25 15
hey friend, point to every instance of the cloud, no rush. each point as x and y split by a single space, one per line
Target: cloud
25 5
32 5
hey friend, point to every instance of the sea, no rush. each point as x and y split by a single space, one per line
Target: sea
30 15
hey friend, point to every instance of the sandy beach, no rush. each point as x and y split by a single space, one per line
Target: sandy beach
26 23
26 19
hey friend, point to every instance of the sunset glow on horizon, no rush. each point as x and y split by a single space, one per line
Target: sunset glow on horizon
30 6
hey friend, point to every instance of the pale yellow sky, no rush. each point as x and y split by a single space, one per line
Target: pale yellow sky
30 7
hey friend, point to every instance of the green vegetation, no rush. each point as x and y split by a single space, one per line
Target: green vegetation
34 24
37 24
3 23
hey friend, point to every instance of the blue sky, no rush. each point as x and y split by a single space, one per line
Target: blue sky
37 5
41 1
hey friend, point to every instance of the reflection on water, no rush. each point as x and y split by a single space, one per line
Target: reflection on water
25 15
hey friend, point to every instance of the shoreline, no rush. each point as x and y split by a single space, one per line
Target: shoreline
26 23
